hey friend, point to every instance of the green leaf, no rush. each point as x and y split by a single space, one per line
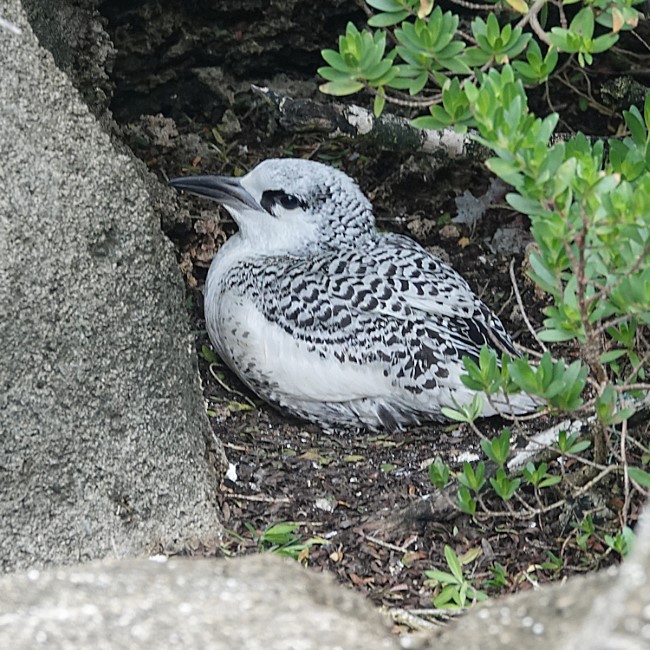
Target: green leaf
380 102
340 88
640 476
465 413
518 5
445 599
612 355
555 335
559 37
549 481
523 375
440 577
583 23
465 501
470 555
378 70
209 354
492 28
635 124
439 473
525 204
497 449
418 83
504 487
335 60
453 563
603 43
472 479
542 275
385 5
507 171
475 57
431 123
387 19
331 74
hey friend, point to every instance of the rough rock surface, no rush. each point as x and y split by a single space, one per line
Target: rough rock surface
253 603
195 57
73 31
101 420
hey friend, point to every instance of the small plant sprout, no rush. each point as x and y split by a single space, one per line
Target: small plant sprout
282 539
456 591
621 543
439 473
466 413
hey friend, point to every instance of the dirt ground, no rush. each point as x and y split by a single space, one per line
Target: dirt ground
347 492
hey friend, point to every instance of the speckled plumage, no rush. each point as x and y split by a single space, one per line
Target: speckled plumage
322 316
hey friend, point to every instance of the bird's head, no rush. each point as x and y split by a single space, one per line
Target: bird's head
288 204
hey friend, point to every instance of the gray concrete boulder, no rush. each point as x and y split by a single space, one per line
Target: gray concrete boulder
102 424
252 603
266 602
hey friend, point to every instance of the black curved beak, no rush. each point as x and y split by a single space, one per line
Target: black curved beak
223 189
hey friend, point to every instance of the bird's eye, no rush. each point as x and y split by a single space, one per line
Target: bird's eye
289 201
271 198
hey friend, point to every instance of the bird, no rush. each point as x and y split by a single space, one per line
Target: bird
324 317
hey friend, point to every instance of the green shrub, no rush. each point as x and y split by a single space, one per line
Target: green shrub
588 203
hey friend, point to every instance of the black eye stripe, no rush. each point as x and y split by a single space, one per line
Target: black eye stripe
278 197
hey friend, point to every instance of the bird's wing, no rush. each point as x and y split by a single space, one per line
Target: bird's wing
395 303
437 289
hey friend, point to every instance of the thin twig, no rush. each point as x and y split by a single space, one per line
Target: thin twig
477 431
431 611
533 10
525 417
409 103
531 17
404 617
467 37
560 6
522 309
258 497
636 369
626 476
597 106
525 504
539 30
471 5
529 351
641 40
227 388
388 545
602 329
230 445
627 387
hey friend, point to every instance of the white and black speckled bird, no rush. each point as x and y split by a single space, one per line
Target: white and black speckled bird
321 315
